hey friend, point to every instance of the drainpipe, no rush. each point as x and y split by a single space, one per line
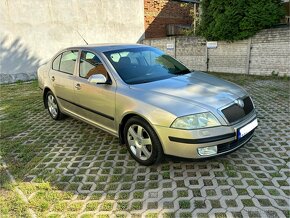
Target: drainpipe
248 61
174 46
206 57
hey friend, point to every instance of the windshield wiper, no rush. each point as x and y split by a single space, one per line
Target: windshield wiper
182 72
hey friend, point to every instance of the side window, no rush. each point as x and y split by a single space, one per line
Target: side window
68 61
90 64
55 63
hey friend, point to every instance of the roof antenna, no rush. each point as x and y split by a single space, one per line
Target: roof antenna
82 37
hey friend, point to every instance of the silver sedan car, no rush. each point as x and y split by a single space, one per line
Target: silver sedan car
152 102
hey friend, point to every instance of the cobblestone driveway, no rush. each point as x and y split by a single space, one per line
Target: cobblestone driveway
104 180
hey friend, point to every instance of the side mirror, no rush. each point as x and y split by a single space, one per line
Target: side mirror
98 79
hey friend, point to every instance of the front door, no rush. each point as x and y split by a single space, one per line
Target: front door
97 101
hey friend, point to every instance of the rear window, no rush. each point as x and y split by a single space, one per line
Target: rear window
68 62
55 63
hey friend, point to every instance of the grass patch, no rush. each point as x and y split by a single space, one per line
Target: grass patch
185 215
258 191
46 197
107 206
220 215
122 205
248 202
60 206
241 191
168 215
123 195
166 175
151 215
91 206
167 194
184 204
196 193
199 204
15 106
182 193
140 185
11 205
136 205
215 203
211 192
138 195
153 185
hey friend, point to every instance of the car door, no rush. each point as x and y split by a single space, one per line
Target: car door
97 101
62 78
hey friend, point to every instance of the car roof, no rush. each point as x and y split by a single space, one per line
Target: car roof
107 47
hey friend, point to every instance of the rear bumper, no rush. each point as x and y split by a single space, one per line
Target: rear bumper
185 143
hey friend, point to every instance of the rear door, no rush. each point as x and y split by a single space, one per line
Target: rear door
62 77
97 101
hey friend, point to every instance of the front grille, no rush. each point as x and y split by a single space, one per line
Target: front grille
234 144
234 112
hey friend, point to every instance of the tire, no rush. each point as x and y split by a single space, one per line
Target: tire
142 142
52 106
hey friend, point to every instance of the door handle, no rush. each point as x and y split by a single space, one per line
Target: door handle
52 78
78 86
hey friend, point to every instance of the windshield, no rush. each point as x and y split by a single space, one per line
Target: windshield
144 64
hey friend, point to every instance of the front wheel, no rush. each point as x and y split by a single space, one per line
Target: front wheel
142 142
52 106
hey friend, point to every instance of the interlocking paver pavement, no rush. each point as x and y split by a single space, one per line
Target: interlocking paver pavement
99 177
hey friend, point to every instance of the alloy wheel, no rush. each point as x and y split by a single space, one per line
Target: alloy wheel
52 106
139 142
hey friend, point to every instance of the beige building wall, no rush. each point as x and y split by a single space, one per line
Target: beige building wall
31 31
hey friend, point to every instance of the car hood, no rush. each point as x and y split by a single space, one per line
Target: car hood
197 88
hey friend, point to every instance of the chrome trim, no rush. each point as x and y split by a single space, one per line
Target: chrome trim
219 110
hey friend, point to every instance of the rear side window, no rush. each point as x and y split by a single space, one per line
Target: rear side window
68 61
55 63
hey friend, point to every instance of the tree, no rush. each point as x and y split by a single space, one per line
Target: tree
234 20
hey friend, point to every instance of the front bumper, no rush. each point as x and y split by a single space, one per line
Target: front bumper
185 143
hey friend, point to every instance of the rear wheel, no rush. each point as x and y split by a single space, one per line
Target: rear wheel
142 141
52 106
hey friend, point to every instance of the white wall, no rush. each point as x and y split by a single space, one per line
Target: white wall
31 31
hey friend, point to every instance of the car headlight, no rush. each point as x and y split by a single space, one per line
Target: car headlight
196 121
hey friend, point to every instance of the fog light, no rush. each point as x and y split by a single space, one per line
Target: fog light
207 150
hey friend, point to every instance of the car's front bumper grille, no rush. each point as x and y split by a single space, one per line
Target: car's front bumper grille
235 112
221 148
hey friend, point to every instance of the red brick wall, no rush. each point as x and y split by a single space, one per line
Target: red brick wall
159 13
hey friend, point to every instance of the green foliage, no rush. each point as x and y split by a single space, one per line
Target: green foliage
235 20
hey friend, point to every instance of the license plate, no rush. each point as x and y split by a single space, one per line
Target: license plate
247 128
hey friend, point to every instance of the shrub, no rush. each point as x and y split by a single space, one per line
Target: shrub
235 20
